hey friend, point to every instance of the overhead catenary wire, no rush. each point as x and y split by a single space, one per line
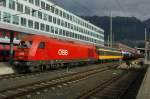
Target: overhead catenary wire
120 6
124 9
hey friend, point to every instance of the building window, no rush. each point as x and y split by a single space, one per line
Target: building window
45 17
27 10
3 2
56 11
40 14
54 20
50 18
70 17
7 17
67 33
3 34
52 9
70 34
58 21
37 3
19 7
76 36
60 13
68 25
15 19
67 16
52 29
42 27
56 30
30 23
64 33
31 1
71 26
12 4
73 35
65 24
34 12
36 25
62 23
42 5
60 32
47 7
23 21
64 14
47 28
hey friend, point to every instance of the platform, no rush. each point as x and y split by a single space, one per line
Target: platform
5 68
147 62
144 92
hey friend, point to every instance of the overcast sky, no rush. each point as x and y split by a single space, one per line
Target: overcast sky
137 8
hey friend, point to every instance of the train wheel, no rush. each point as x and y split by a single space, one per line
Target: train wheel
61 65
53 66
47 67
21 69
57 65
34 68
41 68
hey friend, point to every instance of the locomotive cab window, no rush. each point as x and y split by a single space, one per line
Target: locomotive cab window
25 44
42 45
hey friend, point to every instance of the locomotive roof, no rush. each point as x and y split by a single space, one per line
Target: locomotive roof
42 37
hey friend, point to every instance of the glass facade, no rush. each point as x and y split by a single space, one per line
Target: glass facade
49 18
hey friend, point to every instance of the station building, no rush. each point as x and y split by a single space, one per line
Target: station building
43 17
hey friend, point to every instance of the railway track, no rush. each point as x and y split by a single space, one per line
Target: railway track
11 93
7 76
115 88
15 75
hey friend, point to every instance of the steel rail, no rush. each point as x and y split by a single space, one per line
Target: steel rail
26 89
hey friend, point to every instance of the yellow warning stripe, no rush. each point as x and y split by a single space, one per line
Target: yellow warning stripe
108 50
110 57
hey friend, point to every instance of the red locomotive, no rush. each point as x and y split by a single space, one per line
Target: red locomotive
40 52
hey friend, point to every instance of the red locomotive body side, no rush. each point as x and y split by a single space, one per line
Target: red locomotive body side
46 49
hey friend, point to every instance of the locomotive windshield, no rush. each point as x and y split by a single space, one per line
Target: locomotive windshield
25 44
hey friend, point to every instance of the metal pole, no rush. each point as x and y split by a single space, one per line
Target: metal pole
146 45
11 47
108 41
111 29
113 41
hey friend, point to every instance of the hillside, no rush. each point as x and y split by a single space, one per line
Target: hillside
124 28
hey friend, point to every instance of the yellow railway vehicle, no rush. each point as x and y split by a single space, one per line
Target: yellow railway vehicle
108 54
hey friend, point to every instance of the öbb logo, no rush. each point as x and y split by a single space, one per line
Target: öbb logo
63 52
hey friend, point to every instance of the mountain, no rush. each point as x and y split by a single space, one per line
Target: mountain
125 29
147 23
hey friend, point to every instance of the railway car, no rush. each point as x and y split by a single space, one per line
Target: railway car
131 56
126 55
37 53
109 54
